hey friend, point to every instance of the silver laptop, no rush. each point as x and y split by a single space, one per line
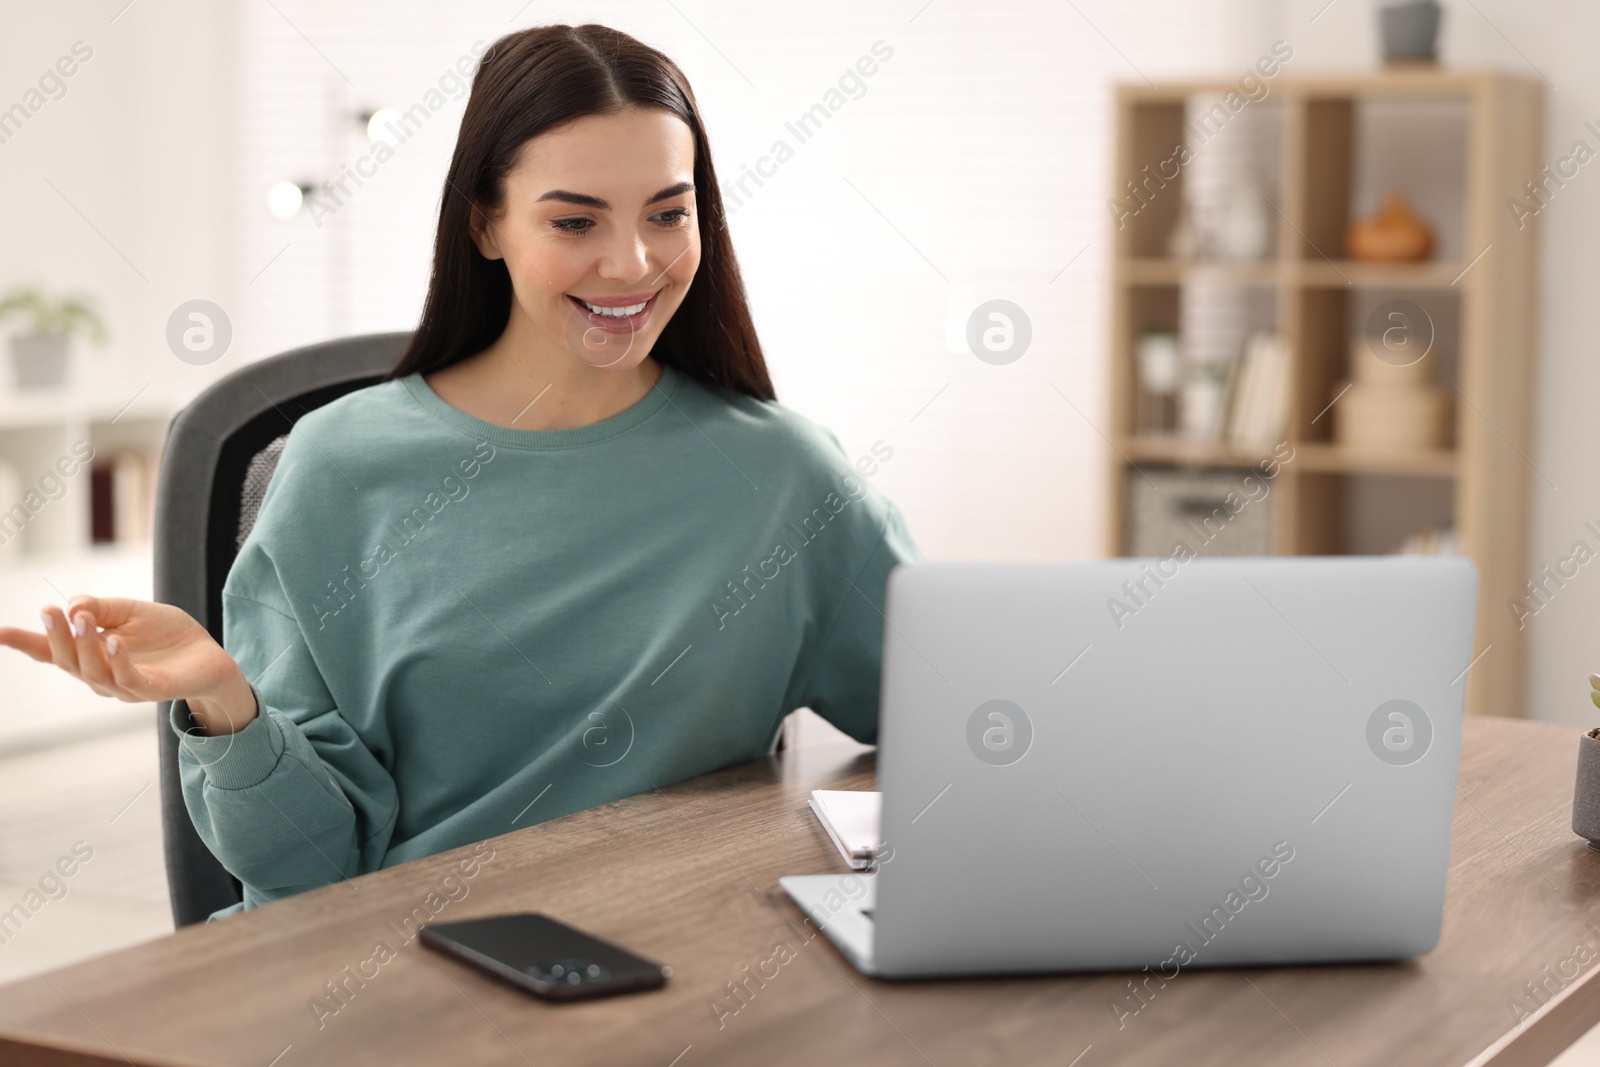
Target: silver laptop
1164 763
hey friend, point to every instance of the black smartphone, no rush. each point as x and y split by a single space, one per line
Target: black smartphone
547 958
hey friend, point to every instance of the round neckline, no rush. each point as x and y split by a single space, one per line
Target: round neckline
623 421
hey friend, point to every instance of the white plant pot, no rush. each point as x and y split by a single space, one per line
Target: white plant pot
1200 409
39 361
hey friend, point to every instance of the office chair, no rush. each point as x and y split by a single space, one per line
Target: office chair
220 453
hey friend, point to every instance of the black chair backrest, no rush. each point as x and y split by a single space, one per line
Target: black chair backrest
220 454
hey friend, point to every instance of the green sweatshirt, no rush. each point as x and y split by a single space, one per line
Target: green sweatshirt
454 629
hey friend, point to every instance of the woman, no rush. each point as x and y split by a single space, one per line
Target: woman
570 549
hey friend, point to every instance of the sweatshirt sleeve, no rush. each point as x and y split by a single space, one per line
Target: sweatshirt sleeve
295 800
842 682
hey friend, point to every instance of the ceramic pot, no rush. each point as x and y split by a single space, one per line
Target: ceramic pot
39 361
1410 32
1394 235
1586 794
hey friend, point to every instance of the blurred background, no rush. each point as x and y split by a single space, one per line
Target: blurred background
980 254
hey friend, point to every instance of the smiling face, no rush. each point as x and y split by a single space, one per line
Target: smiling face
599 234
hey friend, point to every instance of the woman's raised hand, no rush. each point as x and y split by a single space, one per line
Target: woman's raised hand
140 651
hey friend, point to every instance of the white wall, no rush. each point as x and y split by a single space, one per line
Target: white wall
140 148
974 166
1548 41
118 187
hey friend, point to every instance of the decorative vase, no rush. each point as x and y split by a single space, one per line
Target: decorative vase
1586 793
1394 235
1410 31
39 361
1244 230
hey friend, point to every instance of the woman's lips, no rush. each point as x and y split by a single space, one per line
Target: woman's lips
610 324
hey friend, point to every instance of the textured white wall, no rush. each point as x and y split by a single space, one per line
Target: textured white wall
974 166
121 187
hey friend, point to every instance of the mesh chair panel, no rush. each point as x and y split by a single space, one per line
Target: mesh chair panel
254 489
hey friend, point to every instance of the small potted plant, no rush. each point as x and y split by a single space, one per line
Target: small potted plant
1586 795
39 352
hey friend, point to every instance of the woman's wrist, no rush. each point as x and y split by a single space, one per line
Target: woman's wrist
226 710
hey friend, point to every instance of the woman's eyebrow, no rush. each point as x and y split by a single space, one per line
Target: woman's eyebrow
585 200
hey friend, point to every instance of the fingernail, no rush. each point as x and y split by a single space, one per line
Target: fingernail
49 620
80 625
112 646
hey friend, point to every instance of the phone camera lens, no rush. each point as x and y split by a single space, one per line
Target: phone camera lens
570 972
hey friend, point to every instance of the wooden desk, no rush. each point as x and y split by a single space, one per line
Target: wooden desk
688 875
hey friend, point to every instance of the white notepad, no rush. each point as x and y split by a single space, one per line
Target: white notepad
851 818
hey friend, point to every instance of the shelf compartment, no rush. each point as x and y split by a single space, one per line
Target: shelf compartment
1150 200
1353 152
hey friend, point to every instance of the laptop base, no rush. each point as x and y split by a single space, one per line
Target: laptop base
838 905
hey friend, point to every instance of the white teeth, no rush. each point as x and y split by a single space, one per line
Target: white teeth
615 313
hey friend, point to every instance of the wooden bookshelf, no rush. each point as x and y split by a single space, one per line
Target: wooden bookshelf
1490 294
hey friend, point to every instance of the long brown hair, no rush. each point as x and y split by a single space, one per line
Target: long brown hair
529 82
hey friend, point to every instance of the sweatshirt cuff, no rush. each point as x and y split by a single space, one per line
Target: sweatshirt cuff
231 761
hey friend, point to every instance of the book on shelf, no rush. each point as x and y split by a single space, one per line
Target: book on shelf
1258 393
122 497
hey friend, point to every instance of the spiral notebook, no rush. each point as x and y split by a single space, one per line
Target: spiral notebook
851 818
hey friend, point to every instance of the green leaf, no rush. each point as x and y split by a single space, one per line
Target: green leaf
53 318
